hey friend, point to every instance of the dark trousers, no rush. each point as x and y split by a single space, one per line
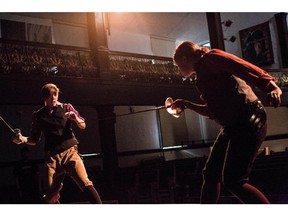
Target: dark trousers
232 156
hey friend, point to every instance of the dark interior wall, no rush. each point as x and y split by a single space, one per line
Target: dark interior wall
89 140
17 116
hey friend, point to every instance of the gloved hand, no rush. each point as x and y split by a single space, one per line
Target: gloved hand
172 108
17 136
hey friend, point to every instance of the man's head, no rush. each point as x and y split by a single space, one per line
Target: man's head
49 94
186 55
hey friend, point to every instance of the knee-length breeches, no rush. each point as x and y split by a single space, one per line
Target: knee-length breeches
58 165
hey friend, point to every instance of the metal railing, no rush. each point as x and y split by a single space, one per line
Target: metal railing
39 59
51 60
145 68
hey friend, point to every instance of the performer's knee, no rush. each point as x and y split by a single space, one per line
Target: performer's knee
210 177
234 184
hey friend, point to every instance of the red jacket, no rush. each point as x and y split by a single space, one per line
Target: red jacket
224 81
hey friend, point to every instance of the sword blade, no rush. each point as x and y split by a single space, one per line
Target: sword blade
141 111
7 124
136 112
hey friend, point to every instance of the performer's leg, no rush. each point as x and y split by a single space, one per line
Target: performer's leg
54 182
241 153
78 173
53 195
210 192
92 194
212 173
247 193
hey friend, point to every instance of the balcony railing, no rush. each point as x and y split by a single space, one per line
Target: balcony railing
145 68
38 59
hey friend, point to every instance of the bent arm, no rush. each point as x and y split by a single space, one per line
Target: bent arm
76 118
185 104
34 137
80 122
20 139
74 115
252 74
28 141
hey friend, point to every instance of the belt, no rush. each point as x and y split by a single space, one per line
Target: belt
59 150
258 114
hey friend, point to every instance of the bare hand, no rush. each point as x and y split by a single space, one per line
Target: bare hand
70 115
273 99
273 96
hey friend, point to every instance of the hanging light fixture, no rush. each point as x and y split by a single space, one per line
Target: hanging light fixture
231 39
227 23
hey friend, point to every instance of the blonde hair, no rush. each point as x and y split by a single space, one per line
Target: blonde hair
49 89
190 50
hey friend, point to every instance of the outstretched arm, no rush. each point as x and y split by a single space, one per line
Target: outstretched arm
185 104
20 139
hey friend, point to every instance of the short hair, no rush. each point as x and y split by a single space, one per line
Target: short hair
188 49
49 89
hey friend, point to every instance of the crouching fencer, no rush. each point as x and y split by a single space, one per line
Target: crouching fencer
223 81
55 121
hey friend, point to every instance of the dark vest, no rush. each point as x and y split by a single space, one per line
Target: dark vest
56 128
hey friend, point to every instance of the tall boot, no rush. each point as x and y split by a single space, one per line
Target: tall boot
92 195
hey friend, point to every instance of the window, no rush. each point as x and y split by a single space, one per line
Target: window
39 33
205 44
26 29
13 30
